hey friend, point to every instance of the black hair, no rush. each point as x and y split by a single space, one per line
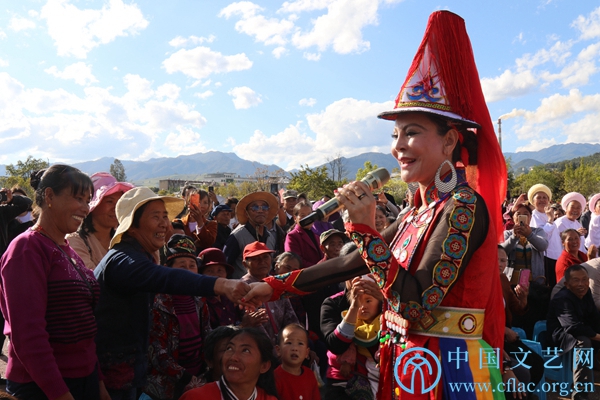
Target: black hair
564 234
211 340
469 137
177 225
382 209
288 254
266 380
574 268
186 189
293 325
60 177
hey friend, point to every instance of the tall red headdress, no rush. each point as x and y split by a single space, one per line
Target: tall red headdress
443 80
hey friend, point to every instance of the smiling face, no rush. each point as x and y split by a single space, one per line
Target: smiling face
573 210
380 220
572 242
187 263
540 201
104 215
578 283
293 347
242 362
152 226
67 210
419 148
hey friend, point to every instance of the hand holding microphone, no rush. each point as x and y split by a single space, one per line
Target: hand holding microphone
373 180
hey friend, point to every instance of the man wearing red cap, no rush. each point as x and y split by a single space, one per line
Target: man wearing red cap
257 260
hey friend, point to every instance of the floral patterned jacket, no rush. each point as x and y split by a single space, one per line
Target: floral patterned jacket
166 378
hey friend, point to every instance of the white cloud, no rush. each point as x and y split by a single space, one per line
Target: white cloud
76 32
279 51
308 102
201 62
184 141
341 28
312 56
33 13
536 145
573 116
79 72
143 122
590 26
335 130
3 63
180 41
264 30
204 95
244 97
18 24
339 25
557 53
508 84
2 34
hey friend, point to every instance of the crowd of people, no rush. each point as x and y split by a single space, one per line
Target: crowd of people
110 291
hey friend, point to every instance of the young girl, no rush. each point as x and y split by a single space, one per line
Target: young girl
247 370
361 326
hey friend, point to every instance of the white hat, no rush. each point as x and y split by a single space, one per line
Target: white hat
134 199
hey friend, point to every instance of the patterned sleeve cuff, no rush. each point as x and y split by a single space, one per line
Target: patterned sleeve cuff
284 284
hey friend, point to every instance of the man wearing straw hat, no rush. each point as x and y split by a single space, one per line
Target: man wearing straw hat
129 276
253 212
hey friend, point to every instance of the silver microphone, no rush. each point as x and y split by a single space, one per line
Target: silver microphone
374 180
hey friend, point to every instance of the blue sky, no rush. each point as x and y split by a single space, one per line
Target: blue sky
288 83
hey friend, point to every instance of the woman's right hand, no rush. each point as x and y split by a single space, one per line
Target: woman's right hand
356 197
195 214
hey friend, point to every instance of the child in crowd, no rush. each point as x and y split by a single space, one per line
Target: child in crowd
294 380
360 361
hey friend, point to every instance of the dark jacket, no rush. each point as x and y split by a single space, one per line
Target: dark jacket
331 316
128 280
570 317
8 212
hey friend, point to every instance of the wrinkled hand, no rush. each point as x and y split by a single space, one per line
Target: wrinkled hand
522 293
522 230
195 213
260 292
369 286
582 231
255 318
382 199
213 197
359 202
549 213
234 289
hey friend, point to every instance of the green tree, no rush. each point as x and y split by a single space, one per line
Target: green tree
582 179
538 174
118 170
315 182
368 167
19 174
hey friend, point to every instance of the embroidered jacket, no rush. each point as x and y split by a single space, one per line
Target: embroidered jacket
166 378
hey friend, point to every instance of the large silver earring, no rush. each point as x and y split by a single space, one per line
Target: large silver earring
446 187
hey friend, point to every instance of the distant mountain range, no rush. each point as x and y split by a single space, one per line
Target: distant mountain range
187 167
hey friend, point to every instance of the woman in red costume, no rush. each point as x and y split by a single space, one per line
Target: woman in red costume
443 323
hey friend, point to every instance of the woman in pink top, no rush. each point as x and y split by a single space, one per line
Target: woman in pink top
48 297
